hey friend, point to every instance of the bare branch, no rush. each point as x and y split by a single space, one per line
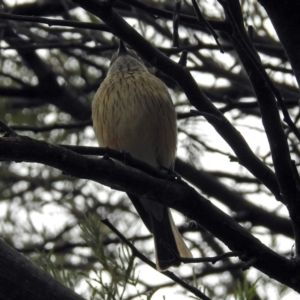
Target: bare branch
20 279
173 194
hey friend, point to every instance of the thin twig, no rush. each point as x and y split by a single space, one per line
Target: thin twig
209 27
51 127
7 129
55 22
286 117
176 19
206 115
183 58
212 259
143 258
249 264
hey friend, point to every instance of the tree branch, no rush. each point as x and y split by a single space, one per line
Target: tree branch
142 257
251 213
175 194
56 22
270 116
21 279
284 17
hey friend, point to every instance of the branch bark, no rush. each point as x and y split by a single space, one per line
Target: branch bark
284 16
249 212
21 279
177 195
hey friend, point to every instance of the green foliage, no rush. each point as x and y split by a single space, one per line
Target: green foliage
46 261
116 273
246 290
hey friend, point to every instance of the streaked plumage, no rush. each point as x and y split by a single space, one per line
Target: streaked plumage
133 112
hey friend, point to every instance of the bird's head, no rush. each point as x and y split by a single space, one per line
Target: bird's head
125 60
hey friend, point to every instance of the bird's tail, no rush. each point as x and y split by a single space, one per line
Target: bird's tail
169 244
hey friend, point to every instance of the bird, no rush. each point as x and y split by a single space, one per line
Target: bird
133 112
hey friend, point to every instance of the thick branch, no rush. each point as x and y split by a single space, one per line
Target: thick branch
250 212
20 279
174 194
284 16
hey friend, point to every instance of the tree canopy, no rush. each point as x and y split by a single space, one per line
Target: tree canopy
233 71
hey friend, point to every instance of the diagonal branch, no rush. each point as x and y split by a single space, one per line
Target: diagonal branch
56 22
213 187
177 195
21 279
287 177
284 17
142 257
201 19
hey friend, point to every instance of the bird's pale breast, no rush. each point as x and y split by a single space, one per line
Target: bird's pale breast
133 112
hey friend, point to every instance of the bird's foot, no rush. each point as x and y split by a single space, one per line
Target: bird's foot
172 175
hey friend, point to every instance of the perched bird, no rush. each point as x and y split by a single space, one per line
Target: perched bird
133 112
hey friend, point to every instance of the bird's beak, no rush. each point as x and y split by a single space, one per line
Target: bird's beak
122 48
